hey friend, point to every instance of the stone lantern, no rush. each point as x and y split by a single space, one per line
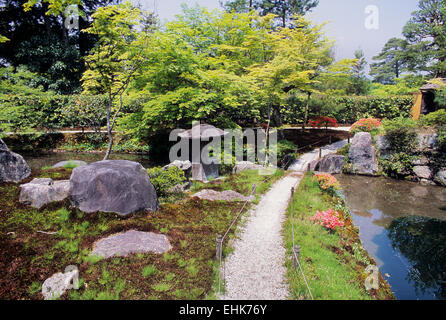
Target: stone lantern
200 136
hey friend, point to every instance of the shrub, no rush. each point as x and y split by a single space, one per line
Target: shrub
323 122
329 219
163 180
285 147
398 165
327 181
437 118
366 125
441 139
400 134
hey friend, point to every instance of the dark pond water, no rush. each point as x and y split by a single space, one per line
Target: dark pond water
50 159
403 226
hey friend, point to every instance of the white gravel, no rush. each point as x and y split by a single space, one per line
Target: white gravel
255 270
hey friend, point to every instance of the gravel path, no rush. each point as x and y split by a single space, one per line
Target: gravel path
255 270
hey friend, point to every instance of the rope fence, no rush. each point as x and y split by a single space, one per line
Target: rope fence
295 248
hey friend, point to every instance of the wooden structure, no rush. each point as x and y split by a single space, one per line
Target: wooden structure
425 99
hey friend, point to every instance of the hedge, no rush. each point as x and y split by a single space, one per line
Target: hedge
348 109
21 112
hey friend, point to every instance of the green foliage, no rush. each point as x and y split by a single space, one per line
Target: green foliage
426 36
400 134
402 86
148 271
437 118
348 109
398 165
163 180
440 97
441 139
391 62
359 85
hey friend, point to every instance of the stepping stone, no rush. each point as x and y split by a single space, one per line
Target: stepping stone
228 195
123 244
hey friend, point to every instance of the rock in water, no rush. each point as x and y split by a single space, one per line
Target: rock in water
440 177
40 192
13 168
422 172
117 186
362 155
331 163
123 244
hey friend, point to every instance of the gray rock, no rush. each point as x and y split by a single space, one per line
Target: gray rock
179 188
77 163
422 172
185 166
227 195
246 165
40 192
331 163
362 155
59 283
117 186
421 161
123 244
440 177
383 147
13 168
427 140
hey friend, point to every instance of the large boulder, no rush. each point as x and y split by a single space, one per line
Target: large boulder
117 186
331 163
362 155
40 192
13 168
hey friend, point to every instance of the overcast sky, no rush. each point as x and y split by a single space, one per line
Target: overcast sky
346 20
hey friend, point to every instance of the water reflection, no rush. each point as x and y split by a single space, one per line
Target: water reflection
403 226
423 242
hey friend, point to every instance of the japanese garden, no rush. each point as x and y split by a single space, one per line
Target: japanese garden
229 152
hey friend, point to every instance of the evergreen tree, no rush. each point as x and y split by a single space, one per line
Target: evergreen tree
426 34
391 62
359 82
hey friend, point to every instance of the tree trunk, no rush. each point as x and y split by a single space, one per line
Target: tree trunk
109 129
307 109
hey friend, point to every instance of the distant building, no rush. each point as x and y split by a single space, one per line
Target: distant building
425 99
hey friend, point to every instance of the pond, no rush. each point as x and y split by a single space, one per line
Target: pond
49 159
403 226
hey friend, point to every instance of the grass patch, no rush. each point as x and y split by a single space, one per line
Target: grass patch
334 262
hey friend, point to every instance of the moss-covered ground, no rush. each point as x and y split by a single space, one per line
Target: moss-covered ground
36 243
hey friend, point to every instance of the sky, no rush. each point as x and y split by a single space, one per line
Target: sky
346 21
